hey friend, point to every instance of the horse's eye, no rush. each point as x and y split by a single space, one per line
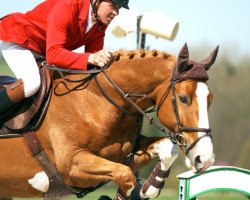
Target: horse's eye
183 99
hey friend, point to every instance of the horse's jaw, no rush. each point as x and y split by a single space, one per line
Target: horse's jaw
201 156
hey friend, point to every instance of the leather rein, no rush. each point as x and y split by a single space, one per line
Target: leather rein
176 138
56 183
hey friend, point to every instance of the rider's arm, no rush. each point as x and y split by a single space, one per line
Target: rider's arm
58 52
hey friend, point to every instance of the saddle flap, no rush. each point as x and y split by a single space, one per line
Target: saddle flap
22 115
21 120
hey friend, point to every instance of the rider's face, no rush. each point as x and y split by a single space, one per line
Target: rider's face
106 11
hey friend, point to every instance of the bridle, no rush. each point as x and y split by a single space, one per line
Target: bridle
176 138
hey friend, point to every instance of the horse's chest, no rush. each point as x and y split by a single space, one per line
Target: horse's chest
116 152
113 140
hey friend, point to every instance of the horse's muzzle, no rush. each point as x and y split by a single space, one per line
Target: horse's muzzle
201 165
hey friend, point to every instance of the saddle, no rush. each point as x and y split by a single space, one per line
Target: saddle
28 114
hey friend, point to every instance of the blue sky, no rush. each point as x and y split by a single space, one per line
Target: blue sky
202 23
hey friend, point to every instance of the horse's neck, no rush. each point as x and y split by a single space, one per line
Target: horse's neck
84 105
141 75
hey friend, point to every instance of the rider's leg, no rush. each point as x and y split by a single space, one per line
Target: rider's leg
11 94
23 64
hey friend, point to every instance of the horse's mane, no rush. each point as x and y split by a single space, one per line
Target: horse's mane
124 54
120 55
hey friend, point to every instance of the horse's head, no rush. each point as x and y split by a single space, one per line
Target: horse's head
183 108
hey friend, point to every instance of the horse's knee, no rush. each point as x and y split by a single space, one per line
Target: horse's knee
125 178
167 152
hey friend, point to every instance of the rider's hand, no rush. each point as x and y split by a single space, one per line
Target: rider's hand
100 58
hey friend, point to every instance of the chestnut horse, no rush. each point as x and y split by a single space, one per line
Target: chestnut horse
90 127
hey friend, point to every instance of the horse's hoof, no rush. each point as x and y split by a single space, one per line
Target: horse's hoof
104 197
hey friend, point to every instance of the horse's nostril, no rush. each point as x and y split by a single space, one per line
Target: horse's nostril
197 159
198 164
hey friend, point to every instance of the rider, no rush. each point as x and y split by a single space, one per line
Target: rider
52 30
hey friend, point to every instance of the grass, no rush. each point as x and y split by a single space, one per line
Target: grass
166 194
4 69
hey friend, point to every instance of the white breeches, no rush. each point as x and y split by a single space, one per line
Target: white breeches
22 62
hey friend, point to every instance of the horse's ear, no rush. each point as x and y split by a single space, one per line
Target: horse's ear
210 60
183 57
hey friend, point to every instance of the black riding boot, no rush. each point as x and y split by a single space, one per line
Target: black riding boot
10 95
5 101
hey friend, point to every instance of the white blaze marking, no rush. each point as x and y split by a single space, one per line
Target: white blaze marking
204 146
40 182
202 93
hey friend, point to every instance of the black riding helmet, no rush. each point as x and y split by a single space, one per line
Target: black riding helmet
120 3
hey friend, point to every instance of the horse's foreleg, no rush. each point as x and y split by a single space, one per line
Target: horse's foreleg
167 153
88 170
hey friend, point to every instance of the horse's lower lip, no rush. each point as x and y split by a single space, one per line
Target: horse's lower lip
201 167
199 170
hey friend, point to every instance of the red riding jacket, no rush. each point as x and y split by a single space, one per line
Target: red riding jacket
54 28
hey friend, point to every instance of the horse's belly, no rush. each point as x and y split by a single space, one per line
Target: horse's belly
17 166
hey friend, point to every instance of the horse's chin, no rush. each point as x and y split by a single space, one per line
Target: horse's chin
197 167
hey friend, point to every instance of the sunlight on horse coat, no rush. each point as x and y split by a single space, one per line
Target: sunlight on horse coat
88 138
